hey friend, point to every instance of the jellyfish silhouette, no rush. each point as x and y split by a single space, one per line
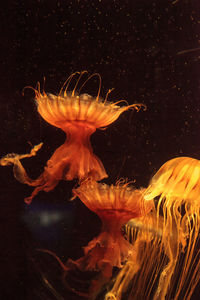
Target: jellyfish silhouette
78 115
165 263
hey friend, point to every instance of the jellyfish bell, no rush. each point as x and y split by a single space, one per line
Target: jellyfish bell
78 115
178 178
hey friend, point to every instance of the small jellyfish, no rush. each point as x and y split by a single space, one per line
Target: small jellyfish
78 115
115 205
177 186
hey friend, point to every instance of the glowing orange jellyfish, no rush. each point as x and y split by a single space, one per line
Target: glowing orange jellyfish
165 263
115 205
177 183
78 115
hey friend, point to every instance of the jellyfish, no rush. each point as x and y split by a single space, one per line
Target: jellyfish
177 188
78 115
165 261
115 205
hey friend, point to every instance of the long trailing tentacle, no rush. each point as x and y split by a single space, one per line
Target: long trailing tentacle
65 268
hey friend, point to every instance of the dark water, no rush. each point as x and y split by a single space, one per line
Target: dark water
149 51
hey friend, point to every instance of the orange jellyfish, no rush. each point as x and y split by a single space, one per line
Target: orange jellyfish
78 115
177 186
165 263
115 205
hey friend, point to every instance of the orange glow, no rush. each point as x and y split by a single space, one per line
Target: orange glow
177 183
165 263
115 205
178 179
141 270
78 115
150 234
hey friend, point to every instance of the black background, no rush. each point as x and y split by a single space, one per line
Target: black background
149 51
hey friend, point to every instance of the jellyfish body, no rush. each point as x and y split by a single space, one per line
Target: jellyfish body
177 186
78 116
177 179
114 205
165 263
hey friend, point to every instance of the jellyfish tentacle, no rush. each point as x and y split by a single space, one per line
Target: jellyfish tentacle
63 266
68 81
37 94
74 89
106 98
123 279
99 89
66 268
177 185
